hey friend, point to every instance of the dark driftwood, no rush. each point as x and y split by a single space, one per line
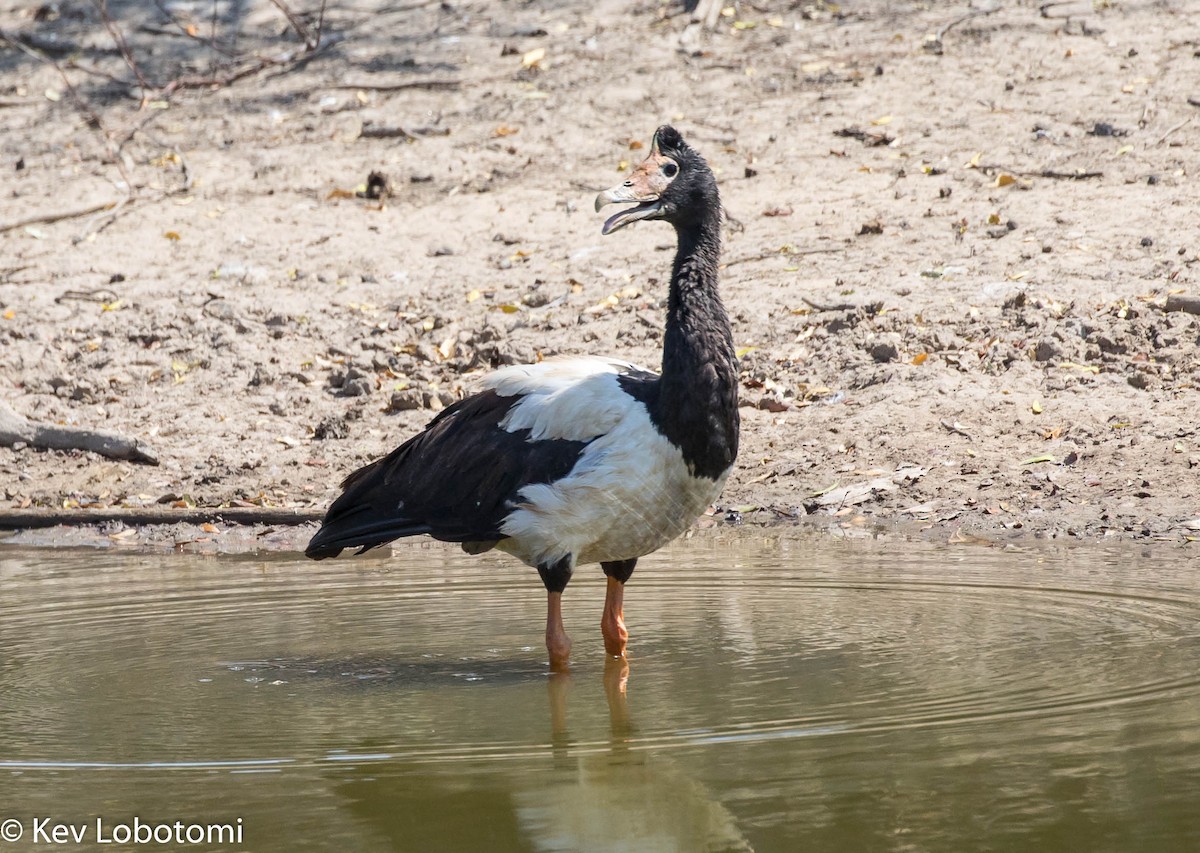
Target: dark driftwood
23 519
14 428
1181 302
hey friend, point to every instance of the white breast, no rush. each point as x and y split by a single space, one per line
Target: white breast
630 492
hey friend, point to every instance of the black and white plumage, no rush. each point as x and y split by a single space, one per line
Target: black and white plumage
578 460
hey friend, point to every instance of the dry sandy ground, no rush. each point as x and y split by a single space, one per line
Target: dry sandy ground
948 261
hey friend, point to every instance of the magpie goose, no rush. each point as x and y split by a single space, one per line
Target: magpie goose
578 460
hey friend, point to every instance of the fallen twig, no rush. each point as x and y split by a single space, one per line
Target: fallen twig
311 38
775 253
841 306
933 43
100 294
399 87
1179 126
957 429
384 132
974 13
14 429
216 81
25 519
47 218
122 45
1063 176
871 140
1040 173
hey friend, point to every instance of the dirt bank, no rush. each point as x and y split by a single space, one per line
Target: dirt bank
949 261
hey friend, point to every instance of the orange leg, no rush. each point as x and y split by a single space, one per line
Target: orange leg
558 644
612 623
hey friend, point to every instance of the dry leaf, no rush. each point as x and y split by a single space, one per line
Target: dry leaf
9 314
920 358
1004 179
339 193
882 120
448 347
172 235
505 130
1034 460
473 295
534 58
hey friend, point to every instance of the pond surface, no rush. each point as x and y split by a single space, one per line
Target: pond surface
781 696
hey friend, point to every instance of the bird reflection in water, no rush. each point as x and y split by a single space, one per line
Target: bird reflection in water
584 795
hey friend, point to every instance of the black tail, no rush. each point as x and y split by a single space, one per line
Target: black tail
456 481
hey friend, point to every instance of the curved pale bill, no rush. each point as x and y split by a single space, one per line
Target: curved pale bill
645 207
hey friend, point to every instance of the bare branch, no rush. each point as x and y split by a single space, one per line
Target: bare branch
119 39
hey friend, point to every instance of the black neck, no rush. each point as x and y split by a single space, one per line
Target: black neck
697 405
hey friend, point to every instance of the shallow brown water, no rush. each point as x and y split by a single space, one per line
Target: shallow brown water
806 695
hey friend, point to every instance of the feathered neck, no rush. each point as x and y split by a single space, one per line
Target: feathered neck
698 392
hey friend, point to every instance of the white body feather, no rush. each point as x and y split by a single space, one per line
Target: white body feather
630 491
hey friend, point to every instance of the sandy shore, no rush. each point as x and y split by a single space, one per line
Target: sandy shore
959 270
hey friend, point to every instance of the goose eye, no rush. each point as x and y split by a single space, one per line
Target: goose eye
670 169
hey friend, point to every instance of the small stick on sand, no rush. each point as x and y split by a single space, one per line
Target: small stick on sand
25 519
47 218
14 429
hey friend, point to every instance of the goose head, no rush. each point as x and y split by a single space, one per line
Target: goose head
672 183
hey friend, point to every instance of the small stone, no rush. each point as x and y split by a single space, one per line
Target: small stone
535 299
356 384
357 388
773 403
884 351
1046 350
406 400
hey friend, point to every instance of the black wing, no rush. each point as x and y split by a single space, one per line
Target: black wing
455 481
